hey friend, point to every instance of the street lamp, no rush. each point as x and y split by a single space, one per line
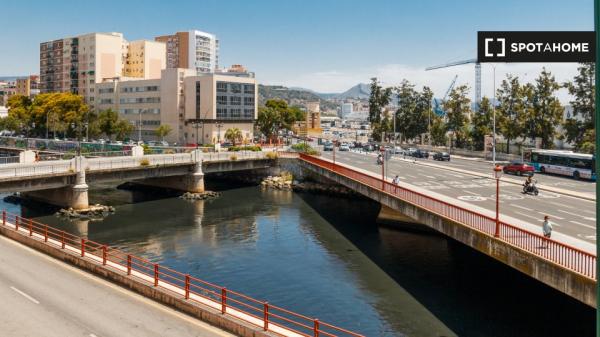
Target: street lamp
197 125
494 119
497 175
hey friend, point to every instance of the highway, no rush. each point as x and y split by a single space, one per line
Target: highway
42 296
571 216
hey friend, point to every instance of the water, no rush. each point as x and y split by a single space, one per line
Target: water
326 258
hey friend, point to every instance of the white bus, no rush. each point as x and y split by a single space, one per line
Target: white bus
567 163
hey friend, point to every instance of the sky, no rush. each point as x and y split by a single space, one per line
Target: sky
323 45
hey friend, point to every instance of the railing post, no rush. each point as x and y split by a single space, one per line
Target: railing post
128 264
82 247
104 255
156 274
316 328
3 218
266 316
62 239
223 300
45 233
187 286
30 227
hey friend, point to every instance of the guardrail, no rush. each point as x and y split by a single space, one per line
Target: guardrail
39 168
9 160
559 253
256 312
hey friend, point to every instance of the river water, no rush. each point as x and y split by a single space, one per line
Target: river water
326 257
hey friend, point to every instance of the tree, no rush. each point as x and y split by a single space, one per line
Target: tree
438 131
267 121
163 130
277 115
379 98
107 122
233 135
579 128
511 114
482 124
122 129
545 111
458 108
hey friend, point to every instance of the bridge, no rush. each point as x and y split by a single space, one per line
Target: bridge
563 263
65 182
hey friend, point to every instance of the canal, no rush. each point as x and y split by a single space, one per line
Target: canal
326 257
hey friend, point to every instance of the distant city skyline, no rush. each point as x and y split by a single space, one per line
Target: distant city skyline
326 46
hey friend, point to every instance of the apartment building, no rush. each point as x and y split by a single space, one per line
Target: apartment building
27 86
192 49
199 109
77 64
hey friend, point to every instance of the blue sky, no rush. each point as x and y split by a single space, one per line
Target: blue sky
326 45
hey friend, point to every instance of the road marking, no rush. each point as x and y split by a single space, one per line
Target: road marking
521 207
25 295
471 198
557 204
527 215
581 216
582 224
552 216
473 193
411 176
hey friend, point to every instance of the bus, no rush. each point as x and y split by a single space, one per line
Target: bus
567 163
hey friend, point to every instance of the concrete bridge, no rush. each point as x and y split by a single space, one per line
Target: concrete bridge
563 266
65 182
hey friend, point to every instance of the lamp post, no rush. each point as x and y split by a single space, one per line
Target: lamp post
497 174
382 168
47 118
197 125
140 126
334 152
494 119
219 126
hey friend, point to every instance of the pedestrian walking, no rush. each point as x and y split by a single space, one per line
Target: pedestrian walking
396 180
547 229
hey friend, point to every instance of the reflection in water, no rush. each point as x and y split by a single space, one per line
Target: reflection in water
326 258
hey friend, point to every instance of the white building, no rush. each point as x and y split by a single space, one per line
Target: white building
192 49
346 109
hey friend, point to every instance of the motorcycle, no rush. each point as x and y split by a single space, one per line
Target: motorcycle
531 188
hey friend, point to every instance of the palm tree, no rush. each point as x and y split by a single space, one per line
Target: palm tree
233 135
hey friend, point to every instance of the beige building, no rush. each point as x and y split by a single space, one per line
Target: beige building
199 109
27 86
313 118
145 59
77 64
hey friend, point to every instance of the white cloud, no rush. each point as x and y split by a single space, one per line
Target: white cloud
438 80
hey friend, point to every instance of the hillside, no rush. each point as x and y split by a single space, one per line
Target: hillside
292 96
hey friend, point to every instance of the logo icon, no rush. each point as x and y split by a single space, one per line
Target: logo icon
502 42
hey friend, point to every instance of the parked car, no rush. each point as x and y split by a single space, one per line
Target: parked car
368 147
441 156
328 147
518 168
398 150
410 151
344 147
420 154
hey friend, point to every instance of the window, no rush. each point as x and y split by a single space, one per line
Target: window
248 100
222 100
106 101
236 113
221 113
106 90
584 164
197 99
236 88
221 87
248 88
249 113
235 100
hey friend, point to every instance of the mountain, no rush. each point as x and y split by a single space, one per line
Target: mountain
360 91
294 96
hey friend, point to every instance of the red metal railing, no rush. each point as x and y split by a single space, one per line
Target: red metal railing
259 313
559 253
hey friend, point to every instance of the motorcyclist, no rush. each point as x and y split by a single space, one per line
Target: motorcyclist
529 182
379 159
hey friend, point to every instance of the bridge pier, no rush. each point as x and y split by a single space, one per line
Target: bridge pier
192 182
73 196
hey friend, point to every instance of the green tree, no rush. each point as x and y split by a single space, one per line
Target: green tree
276 115
579 128
107 122
438 131
481 123
233 135
511 114
379 98
458 108
545 112
163 130
122 129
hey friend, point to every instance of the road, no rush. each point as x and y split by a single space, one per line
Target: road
572 216
42 296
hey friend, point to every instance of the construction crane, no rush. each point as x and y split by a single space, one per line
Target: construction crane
477 75
436 108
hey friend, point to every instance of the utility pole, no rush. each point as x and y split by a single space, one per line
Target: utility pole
494 122
140 126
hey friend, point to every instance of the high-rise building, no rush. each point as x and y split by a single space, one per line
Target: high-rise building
193 50
76 64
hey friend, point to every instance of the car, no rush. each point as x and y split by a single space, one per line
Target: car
328 147
518 168
441 156
344 147
368 147
420 154
410 151
398 150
